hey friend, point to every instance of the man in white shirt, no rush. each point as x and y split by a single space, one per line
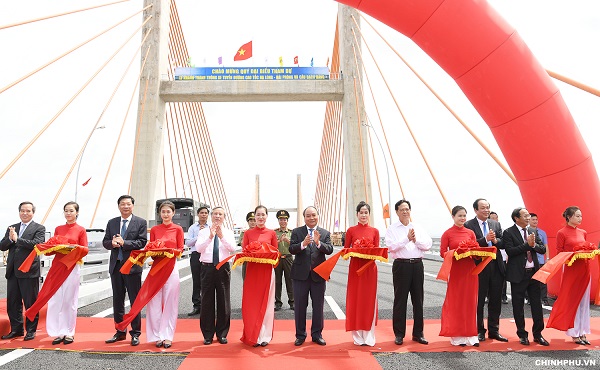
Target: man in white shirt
406 242
195 264
215 243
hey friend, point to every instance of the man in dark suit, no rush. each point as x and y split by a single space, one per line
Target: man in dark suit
124 234
22 287
522 245
488 233
309 244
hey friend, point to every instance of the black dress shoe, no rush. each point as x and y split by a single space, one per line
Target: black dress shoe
117 337
159 344
167 345
256 345
68 340
207 341
319 341
195 311
277 308
12 335
135 340
29 336
584 340
399 341
421 340
223 340
498 337
462 345
476 344
541 340
524 341
264 344
298 342
481 337
58 340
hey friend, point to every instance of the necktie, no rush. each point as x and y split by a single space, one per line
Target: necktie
310 231
123 231
485 232
529 258
216 251
22 229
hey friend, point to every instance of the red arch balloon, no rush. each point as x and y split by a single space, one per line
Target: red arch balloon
514 95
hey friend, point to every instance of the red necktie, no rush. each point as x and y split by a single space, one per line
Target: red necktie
529 259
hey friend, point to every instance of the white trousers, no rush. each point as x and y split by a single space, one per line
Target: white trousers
367 337
62 307
581 325
162 310
266 329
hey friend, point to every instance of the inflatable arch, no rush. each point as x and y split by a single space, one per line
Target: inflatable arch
516 98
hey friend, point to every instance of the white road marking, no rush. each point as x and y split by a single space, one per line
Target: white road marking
335 308
13 355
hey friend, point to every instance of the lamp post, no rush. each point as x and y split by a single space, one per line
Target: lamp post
81 158
386 168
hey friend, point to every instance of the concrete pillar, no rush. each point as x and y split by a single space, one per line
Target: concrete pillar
299 207
147 183
353 115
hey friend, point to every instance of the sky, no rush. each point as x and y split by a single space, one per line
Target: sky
248 137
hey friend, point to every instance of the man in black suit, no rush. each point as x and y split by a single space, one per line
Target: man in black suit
22 287
522 245
309 244
124 234
488 233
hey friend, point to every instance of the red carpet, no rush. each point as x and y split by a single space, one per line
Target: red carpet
339 352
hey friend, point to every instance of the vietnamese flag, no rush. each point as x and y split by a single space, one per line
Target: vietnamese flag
296 59
85 183
244 52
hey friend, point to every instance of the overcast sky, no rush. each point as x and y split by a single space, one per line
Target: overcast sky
249 137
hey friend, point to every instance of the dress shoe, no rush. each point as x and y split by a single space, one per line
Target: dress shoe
277 308
29 336
68 340
159 344
58 340
319 341
207 341
399 341
298 342
584 340
292 307
504 301
462 345
264 344
12 335
195 311
135 340
498 337
524 341
256 345
541 340
578 340
481 337
117 337
223 340
476 344
545 302
167 344
421 340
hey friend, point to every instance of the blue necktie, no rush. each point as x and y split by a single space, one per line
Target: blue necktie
216 251
485 232
311 236
123 231
22 229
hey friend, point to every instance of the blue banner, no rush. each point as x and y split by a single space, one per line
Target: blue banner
251 73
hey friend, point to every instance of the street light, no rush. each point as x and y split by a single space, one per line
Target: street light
386 168
81 158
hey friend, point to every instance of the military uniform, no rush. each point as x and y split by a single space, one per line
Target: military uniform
285 264
249 216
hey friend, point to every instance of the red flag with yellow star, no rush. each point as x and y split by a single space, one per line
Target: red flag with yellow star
244 52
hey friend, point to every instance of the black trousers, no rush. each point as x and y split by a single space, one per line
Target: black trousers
196 268
21 292
490 285
408 278
284 269
532 287
121 284
215 287
316 290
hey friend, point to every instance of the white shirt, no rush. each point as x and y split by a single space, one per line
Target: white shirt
528 264
303 247
396 240
193 235
204 244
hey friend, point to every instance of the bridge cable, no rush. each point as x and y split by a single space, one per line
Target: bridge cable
574 83
465 126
